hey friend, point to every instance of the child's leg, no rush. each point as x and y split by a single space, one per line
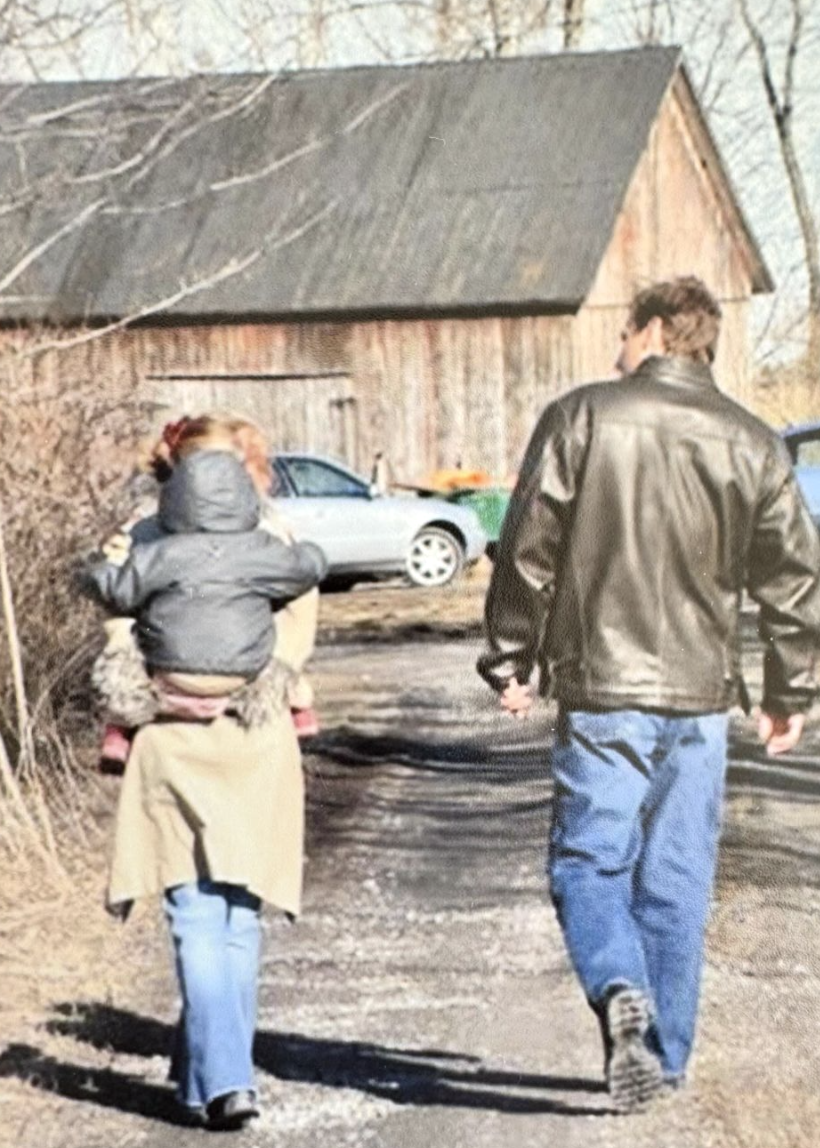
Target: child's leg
116 745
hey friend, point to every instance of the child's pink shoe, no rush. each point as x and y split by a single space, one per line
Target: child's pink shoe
306 721
116 745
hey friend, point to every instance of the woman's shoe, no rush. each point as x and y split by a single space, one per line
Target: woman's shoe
230 1112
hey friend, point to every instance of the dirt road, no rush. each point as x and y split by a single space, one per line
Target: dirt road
424 1000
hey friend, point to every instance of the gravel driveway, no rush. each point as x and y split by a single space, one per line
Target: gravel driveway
424 1000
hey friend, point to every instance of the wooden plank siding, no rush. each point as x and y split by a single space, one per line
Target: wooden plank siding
428 393
676 220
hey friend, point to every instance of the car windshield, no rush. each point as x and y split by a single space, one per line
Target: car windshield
312 478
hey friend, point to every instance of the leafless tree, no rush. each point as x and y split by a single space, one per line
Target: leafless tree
745 59
463 29
33 33
573 23
780 85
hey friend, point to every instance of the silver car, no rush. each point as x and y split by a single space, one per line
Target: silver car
367 534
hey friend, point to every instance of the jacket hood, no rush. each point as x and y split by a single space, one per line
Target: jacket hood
210 492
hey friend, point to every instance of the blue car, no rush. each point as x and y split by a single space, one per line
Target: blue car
803 443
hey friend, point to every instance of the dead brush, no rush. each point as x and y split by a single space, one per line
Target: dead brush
786 394
67 444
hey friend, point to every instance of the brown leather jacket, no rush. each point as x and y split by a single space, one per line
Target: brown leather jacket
644 509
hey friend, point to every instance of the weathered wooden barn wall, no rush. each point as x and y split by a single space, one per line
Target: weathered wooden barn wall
427 393
677 220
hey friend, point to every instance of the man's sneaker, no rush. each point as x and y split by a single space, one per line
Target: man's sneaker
230 1112
634 1073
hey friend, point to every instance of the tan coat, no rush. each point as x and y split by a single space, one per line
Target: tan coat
295 623
211 800
218 800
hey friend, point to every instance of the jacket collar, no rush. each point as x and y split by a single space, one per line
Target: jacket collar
676 371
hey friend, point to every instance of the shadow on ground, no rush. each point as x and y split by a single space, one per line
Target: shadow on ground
104 1087
473 797
420 1077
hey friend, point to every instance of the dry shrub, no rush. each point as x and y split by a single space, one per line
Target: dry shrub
67 446
787 394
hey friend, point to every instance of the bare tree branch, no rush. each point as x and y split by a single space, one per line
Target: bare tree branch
206 282
781 106
37 252
573 23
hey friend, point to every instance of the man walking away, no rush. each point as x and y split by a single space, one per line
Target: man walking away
643 510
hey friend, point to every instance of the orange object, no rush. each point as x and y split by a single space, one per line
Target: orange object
455 478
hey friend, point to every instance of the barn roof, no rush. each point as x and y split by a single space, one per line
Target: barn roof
483 185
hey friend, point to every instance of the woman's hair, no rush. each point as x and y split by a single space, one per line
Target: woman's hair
252 445
182 438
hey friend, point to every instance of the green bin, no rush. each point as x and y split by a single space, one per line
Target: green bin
490 504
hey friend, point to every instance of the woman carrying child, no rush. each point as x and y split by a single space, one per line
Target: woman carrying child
211 809
128 697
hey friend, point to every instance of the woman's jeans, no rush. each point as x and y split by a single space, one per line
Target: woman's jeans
215 928
633 846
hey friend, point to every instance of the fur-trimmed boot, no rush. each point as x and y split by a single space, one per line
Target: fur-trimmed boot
260 699
121 680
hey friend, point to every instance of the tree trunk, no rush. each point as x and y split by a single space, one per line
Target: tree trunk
573 23
781 106
15 654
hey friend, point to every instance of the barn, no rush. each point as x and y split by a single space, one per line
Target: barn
410 260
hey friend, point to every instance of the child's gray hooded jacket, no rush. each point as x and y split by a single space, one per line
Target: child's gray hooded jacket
202 593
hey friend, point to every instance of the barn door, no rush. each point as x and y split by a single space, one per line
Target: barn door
313 413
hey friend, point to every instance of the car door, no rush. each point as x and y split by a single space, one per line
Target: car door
804 448
329 505
807 472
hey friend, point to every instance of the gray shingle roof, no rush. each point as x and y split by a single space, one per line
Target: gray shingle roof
482 185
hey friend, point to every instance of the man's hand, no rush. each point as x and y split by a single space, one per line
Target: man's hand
517 699
780 732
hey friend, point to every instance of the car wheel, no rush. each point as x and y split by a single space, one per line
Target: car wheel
435 557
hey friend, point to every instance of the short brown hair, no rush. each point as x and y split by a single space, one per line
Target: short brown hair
689 312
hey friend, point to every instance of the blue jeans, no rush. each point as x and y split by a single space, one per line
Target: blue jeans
633 846
216 934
